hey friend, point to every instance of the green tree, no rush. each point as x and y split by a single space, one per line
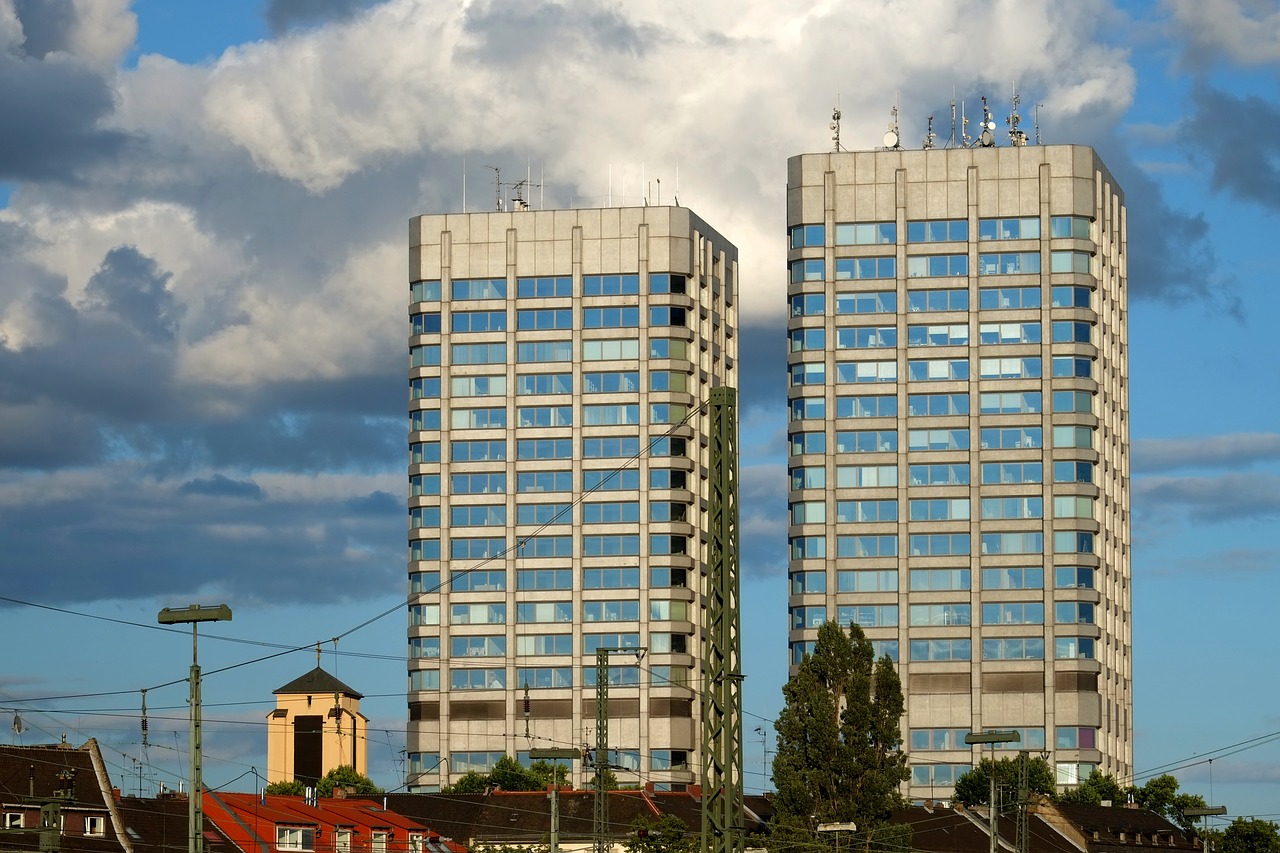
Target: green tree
1161 796
1250 835
470 782
291 787
667 834
1098 787
974 786
550 771
839 756
510 775
345 776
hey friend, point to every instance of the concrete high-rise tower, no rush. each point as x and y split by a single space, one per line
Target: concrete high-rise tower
560 365
959 441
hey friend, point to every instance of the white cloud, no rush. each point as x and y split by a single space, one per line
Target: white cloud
104 30
1246 31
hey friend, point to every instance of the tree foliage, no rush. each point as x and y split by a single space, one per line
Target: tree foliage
1161 796
1095 790
839 756
974 786
1250 835
342 776
288 787
510 775
666 834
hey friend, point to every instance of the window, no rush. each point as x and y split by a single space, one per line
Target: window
668 413
937 370
611 578
939 544
1069 612
1073 648
477 679
544 547
667 348
543 287
667 315
1009 333
295 838
424 452
1024 228
951 299
859 269
424 648
1009 263
939 509
476 548
426 355
803 339
669 759
1013 543
808 304
477 451
875 302
997 298
1072 297
939 614
12 820
808 442
938 336
619 676
1073 401
610 611
1071 471
542 514
544 448
424 419
1073 773
478 386
812 477
611 285
1016 507
939 475
425 324
1072 331
866 511
544 416
610 481
544 352
922 740
610 447
542 319
611 382
1076 227
941 649
807 235
1074 737
664 478
478 419
478 354
478 321
616 545
1013 648
858 547
865 337
1013 613
813 616
1011 437
1072 366
1072 506
477 614
1073 577
424 388
1010 403
544 611
808 373
663 577
937 404
424 582
661 282
1012 472
591 643
544 677
480 288
1009 368
424 679
544 481
804 583
464 762
477 484
1070 262
937 230
478 580
478 647
935 266
866 371
866 476
425 291
808 547
424 549
866 233
868 615
544 644
610 513
537 579
1073 436
880 406
543 383
424 614
938 439
867 580
624 317
808 408
809 269
938 579
613 349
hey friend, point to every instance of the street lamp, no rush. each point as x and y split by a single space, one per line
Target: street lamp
1205 813
993 737
837 828
193 615
555 756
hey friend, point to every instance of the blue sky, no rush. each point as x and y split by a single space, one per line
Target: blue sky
202 255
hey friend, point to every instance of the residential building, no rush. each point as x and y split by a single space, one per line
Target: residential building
57 796
559 368
315 727
959 442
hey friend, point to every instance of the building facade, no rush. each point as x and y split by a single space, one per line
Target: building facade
560 362
959 466
315 727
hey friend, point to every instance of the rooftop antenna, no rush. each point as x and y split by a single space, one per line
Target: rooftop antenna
1017 136
1037 117
835 124
965 139
892 139
497 187
930 137
952 140
988 137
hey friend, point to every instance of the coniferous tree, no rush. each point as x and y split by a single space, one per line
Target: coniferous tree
839 757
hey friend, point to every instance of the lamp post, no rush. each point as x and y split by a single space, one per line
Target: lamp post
1205 813
837 828
993 737
193 615
555 756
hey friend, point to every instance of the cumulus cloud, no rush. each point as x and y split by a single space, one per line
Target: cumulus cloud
1244 31
283 15
1237 450
1248 171
1229 497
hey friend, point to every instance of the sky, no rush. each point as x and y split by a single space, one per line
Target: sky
203 222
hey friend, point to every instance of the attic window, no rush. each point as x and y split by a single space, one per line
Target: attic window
13 820
295 838
95 825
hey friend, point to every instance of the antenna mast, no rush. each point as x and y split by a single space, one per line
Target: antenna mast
497 187
1017 136
835 124
930 137
892 139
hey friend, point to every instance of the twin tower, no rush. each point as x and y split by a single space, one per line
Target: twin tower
957 467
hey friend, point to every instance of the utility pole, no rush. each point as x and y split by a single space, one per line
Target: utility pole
993 738
193 615
603 841
554 756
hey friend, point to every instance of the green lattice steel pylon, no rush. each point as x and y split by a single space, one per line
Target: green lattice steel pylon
722 640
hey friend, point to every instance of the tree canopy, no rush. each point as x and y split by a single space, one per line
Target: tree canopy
974 786
666 834
839 756
510 775
1250 835
342 776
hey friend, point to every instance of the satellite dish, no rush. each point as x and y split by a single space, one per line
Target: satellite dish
891 138
991 125
988 138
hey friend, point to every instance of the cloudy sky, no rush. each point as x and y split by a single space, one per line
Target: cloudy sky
202 339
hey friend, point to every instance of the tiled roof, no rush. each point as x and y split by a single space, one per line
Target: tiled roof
29 776
317 681
159 825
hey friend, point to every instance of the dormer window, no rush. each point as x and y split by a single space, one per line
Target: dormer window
301 839
95 825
